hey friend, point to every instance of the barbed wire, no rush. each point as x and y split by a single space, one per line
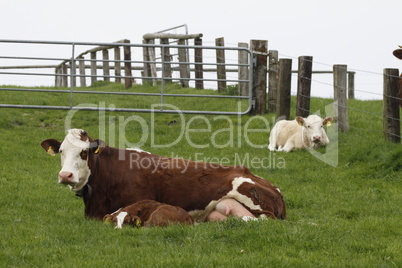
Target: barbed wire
346 88
326 102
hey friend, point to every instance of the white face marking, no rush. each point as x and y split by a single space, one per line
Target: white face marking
120 219
313 127
71 160
116 211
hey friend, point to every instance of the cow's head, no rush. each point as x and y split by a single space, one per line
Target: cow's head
74 151
313 127
398 53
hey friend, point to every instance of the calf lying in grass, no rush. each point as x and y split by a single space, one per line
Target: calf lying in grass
300 133
149 213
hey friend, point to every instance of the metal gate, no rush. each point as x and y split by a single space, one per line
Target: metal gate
47 67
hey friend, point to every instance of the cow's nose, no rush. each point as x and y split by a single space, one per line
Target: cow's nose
65 177
316 138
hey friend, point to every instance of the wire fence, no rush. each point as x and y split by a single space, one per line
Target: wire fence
349 107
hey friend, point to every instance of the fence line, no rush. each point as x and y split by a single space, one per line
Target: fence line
279 80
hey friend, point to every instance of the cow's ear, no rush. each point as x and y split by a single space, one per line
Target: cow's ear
51 146
398 53
97 146
327 121
300 120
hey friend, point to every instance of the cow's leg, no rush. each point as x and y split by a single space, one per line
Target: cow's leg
272 140
231 207
288 147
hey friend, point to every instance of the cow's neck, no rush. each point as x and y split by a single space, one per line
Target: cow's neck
92 199
85 192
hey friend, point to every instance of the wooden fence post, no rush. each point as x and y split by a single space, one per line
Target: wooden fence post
351 85
73 71
304 86
152 58
243 71
220 60
199 72
285 78
340 99
273 80
259 49
57 81
166 59
64 78
128 81
117 65
93 67
106 67
81 64
147 65
391 112
184 67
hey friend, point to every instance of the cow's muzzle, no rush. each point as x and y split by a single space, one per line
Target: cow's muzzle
316 139
66 177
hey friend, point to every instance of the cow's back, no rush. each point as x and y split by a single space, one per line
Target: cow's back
167 214
286 130
190 185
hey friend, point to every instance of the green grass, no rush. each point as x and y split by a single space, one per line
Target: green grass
343 216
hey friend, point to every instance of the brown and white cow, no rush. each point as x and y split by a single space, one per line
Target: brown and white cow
149 213
109 178
398 53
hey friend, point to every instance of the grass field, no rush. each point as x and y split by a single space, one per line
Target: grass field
343 215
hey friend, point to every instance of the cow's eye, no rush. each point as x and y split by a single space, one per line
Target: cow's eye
84 155
60 151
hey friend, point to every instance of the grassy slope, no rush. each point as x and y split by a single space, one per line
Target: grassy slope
348 215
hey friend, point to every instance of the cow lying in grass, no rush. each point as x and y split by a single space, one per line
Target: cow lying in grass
149 213
300 133
109 178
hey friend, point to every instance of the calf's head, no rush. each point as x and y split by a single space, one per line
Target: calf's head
74 151
313 128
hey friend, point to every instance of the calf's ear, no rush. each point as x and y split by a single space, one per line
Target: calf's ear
135 221
300 120
51 146
108 218
327 121
97 146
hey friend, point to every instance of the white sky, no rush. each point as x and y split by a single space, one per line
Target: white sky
359 33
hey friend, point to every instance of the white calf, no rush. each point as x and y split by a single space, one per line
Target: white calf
300 133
